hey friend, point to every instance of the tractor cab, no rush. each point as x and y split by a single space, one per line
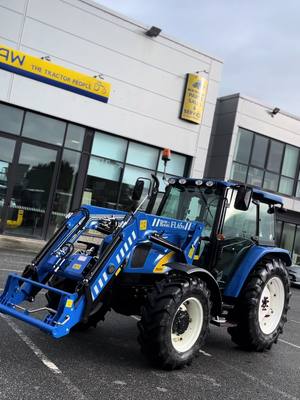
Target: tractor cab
235 219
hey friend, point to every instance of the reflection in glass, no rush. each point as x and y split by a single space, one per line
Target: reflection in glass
243 146
238 172
6 155
290 161
75 137
275 156
287 238
102 184
65 188
286 185
271 181
31 189
142 155
255 176
296 251
43 128
174 167
131 174
10 119
259 151
109 146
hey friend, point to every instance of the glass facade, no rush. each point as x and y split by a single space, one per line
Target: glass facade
115 164
49 166
267 163
288 237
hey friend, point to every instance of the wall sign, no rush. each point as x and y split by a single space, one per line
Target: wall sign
44 71
194 98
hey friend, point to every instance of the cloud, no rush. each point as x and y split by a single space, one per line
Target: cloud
257 40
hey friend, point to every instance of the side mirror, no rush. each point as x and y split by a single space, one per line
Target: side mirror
243 198
138 189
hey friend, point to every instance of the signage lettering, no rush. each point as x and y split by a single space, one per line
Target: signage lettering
194 98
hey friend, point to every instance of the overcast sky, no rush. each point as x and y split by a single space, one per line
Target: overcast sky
258 41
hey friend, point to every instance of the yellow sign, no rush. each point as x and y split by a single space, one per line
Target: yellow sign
194 98
143 224
45 71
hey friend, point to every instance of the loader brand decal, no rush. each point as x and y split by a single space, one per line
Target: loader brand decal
162 223
194 98
143 224
69 303
44 71
76 266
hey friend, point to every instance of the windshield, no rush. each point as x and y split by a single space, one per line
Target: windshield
192 204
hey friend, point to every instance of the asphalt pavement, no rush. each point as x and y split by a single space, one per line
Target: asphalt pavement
106 363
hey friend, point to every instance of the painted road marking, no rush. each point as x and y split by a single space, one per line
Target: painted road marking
11 270
296 322
74 390
290 344
204 353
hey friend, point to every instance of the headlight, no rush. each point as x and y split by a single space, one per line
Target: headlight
182 181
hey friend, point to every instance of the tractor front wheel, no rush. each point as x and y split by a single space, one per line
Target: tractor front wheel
174 321
262 308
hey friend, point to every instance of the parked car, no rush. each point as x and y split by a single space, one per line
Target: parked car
294 274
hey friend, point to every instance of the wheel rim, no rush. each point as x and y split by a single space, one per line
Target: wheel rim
187 324
271 305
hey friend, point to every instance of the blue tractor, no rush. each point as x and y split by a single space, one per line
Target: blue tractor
207 255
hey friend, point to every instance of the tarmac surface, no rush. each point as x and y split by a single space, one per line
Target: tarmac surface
106 363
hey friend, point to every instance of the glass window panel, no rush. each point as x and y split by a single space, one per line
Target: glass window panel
45 129
239 172
290 161
267 223
243 146
7 147
278 228
271 181
296 252
109 146
287 238
10 119
142 155
175 166
298 189
102 185
259 151
65 187
286 185
255 176
129 178
75 137
275 156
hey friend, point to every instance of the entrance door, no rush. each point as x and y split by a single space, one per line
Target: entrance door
29 190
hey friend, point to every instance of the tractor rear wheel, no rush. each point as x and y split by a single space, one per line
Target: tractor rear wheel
262 309
175 321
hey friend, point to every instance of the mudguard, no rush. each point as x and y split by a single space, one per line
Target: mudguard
207 277
253 255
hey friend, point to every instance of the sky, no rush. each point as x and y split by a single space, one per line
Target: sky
258 41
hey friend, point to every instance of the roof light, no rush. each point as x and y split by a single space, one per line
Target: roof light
209 183
182 181
198 182
171 181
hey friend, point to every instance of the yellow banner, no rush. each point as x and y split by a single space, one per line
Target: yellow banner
194 98
45 71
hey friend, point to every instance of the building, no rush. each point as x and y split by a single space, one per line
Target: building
59 145
259 145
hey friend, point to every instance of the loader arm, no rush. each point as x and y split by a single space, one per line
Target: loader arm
93 275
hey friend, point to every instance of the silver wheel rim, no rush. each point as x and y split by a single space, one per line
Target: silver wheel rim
193 310
271 305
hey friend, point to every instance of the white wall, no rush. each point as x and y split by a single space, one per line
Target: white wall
147 75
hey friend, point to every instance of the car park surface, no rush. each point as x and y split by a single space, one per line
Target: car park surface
106 363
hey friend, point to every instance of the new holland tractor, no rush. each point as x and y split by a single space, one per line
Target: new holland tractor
207 255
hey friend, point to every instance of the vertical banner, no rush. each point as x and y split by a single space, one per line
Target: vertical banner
194 98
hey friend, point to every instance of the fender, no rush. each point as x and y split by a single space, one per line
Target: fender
208 278
254 254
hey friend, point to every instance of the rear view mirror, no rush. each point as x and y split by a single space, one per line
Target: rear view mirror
243 198
138 189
